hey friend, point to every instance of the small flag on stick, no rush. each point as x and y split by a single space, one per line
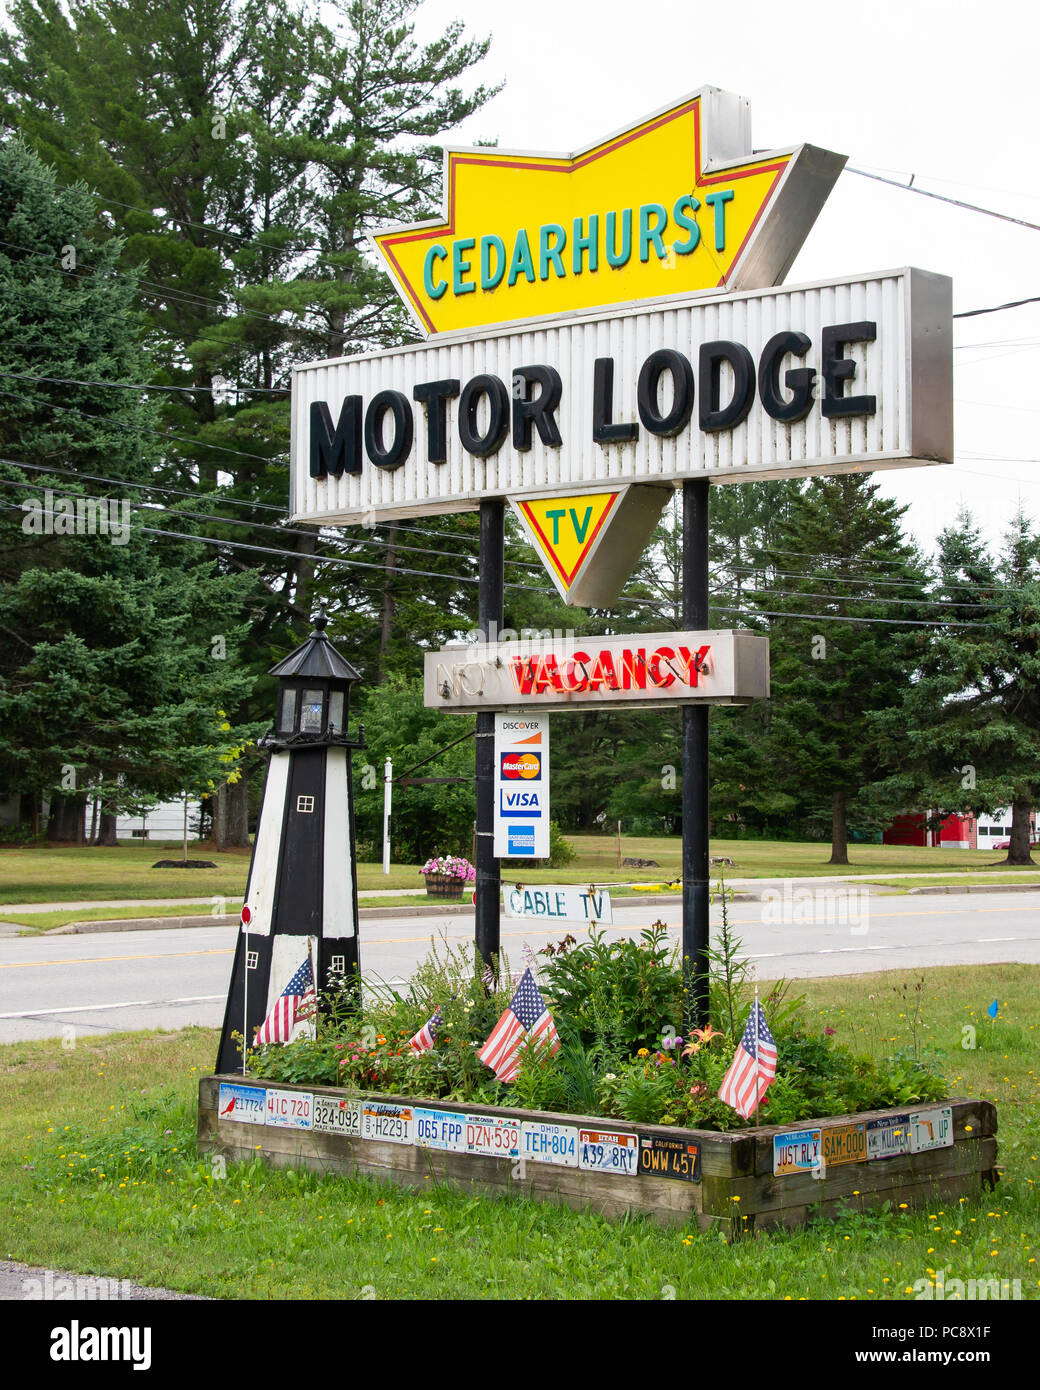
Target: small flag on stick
753 1068
427 1034
295 1002
993 1009
526 1016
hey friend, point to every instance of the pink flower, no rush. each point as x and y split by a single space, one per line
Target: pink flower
830 1032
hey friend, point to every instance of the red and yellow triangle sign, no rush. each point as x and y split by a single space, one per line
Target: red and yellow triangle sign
565 529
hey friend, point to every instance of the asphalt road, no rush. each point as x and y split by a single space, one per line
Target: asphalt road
72 986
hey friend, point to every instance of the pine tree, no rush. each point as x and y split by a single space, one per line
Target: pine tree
107 677
969 727
840 561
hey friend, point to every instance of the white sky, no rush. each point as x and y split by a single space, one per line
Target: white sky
949 92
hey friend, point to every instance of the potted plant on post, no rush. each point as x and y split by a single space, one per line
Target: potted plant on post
447 875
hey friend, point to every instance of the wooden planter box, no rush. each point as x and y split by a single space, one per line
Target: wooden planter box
727 1182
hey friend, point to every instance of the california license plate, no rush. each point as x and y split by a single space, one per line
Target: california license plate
669 1158
332 1116
603 1151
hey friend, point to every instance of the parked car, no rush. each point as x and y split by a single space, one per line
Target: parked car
1006 844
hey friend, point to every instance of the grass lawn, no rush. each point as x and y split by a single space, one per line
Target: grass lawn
43 873
99 1174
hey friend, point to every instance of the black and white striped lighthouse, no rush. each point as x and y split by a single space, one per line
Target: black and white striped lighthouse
301 898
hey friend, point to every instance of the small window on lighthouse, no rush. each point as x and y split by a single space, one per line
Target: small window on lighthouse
310 712
288 714
336 710
305 803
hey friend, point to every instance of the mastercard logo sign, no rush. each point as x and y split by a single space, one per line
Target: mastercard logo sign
527 766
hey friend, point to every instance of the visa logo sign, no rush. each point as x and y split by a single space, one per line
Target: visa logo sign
520 803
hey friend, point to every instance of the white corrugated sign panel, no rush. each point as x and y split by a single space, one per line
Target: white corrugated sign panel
908 368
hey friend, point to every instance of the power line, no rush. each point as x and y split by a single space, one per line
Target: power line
141 386
996 309
943 198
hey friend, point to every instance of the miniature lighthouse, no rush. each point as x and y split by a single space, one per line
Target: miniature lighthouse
301 898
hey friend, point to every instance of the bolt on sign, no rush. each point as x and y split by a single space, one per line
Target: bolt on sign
571 536
674 204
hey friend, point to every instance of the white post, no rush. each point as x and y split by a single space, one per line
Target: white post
388 772
185 827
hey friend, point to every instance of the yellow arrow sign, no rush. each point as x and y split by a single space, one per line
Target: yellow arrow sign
671 205
569 534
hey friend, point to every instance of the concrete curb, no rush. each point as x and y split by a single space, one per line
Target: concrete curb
979 888
367 914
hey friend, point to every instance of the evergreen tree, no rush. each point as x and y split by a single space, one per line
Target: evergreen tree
107 676
850 589
968 730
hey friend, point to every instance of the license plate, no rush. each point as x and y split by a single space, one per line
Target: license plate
390 1124
601 1151
547 1143
844 1144
491 1137
247 1105
669 1158
796 1152
289 1109
931 1129
440 1129
332 1116
888 1137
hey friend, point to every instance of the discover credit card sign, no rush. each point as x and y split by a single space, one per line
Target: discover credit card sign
521 786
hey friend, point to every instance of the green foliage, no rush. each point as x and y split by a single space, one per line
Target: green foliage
615 995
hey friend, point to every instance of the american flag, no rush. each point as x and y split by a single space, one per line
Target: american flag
526 1016
427 1034
753 1068
295 1000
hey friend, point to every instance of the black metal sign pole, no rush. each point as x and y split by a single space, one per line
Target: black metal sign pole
695 767
491 616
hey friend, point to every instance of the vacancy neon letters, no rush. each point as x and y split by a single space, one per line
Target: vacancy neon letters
634 670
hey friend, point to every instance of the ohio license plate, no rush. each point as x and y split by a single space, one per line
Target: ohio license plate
390 1124
289 1109
491 1137
603 1151
548 1143
440 1129
931 1129
245 1104
669 1158
844 1144
332 1116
